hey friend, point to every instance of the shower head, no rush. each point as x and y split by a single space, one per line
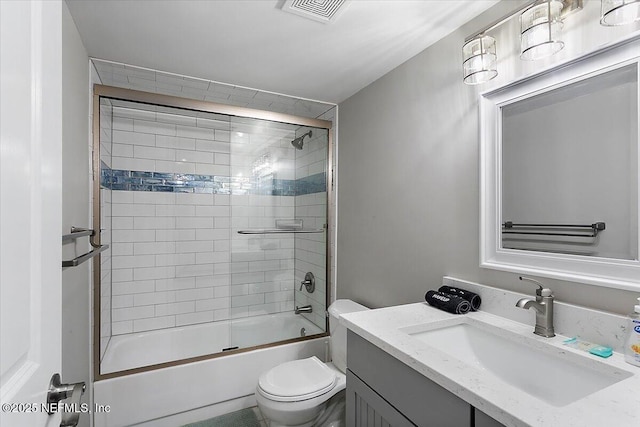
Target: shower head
299 141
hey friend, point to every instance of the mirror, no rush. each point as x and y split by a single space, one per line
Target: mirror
570 158
559 172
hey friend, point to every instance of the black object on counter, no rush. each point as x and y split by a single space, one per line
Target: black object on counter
451 303
473 298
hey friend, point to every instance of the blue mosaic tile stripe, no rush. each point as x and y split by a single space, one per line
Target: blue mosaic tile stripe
311 184
105 175
124 180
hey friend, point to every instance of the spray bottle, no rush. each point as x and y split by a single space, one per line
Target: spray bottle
632 343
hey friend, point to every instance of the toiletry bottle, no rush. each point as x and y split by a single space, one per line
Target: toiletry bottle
632 344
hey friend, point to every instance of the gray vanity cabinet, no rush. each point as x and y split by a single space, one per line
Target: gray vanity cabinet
484 420
382 391
368 409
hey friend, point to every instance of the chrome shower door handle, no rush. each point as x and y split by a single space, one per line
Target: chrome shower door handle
58 392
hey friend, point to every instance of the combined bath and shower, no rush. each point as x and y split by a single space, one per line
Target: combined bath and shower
299 141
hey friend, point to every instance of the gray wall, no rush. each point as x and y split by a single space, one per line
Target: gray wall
408 197
76 281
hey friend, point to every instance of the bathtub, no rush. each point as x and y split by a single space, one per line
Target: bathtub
149 348
194 391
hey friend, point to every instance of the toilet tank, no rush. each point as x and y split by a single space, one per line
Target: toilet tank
339 332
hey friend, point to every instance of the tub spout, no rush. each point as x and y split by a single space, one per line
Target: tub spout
304 309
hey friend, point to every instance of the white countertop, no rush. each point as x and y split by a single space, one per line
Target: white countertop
617 405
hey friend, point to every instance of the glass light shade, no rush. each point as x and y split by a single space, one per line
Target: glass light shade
479 56
541 30
619 12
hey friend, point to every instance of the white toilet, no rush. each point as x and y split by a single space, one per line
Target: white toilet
307 392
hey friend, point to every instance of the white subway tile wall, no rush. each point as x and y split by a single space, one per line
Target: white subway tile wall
170 250
311 162
153 141
177 257
167 275
261 264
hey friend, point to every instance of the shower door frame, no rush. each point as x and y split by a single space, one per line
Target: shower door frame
122 94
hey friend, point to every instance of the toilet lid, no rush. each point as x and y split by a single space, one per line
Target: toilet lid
297 380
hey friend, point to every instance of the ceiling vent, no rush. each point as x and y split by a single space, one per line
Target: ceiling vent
324 11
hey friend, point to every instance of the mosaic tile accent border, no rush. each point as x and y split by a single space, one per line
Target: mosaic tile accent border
126 180
311 184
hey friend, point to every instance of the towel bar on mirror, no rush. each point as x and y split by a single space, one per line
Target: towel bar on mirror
77 232
593 229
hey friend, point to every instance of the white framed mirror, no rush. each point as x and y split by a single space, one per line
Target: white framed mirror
559 175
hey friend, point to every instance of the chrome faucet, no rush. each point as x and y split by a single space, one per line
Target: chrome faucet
304 309
543 306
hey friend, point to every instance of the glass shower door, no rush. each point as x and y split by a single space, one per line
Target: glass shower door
214 220
165 202
271 209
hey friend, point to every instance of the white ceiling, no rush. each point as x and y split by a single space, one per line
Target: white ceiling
254 43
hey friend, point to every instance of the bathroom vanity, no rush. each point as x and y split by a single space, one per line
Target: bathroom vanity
382 391
416 365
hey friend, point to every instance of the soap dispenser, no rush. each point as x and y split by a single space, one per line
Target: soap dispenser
632 344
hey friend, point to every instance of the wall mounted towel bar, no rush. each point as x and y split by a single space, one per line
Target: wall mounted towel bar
592 229
77 232
82 258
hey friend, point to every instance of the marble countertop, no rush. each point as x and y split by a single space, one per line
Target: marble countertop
616 405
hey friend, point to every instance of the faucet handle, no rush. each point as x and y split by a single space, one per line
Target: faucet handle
309 282
542 291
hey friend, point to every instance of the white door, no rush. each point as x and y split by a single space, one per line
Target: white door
30 208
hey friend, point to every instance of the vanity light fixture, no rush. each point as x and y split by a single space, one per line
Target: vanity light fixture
541 30
619 12
479 59
541 27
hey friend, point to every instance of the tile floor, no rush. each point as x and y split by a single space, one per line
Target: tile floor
250 417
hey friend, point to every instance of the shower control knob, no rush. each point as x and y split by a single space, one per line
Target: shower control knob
306 283
309 282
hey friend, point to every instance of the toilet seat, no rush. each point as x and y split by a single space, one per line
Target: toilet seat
297 380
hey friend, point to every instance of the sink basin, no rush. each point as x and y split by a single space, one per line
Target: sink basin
551 374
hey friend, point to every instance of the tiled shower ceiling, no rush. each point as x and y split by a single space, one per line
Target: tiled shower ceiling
143 79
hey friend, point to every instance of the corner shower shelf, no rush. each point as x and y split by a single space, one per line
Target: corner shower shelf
281 230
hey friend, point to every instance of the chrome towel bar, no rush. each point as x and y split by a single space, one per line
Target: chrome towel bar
281 231
82 258
77 232
593 229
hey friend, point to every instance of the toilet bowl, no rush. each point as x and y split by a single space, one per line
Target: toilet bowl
307 392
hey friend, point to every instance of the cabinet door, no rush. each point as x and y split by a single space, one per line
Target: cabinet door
484 420
420 400
365 408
